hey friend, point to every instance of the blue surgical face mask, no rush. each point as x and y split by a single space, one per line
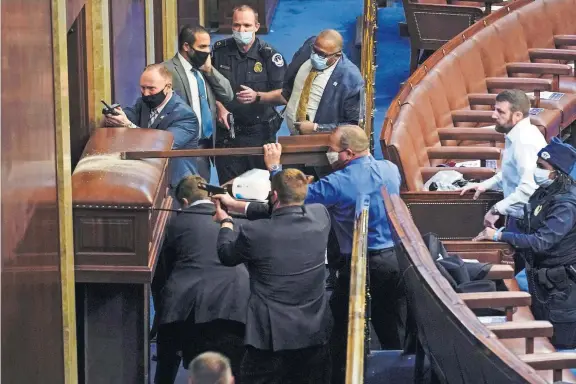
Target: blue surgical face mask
319 63
542 177
243 38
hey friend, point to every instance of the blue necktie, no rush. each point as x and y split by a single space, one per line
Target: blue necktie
204 106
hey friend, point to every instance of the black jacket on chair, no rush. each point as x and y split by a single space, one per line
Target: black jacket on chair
284 253
190 279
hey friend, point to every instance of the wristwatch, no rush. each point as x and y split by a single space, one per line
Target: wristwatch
227 220
257 98
274 167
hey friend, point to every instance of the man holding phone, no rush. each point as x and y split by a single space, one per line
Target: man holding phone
160 108
198 83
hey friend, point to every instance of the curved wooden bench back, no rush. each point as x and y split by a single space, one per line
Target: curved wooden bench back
461 348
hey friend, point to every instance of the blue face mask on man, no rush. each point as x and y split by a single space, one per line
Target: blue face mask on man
318 62
243 38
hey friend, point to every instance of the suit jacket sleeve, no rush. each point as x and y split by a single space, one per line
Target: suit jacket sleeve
232 249
220 86
256 211
185 130
165 264
352 104
133 113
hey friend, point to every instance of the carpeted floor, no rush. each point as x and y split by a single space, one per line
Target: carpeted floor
296 20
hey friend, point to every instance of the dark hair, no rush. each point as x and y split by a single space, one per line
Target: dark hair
291 186
188 34
188 188
517 99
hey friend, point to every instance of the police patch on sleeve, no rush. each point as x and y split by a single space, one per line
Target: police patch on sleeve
278 60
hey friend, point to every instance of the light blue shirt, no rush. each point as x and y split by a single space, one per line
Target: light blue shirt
516 178
339 191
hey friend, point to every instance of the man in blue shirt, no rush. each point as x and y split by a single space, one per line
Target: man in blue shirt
356 173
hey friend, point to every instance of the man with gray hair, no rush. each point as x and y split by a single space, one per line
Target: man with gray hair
516 177
210 368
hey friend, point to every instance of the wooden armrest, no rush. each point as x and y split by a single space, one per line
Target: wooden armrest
500 272
556 361
464 153
539 68
563 40
476 173
525 84
474 134
482 98
472 116
496 299
522 329
551 53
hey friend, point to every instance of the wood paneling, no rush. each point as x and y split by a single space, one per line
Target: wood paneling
73 8
128 43
158 32
31 330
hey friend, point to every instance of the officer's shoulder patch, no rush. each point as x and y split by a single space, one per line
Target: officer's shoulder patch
278 60
220 44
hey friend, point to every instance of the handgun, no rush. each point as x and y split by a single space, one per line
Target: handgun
212 189
110 109
230 119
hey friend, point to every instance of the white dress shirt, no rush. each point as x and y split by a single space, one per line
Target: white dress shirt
316 92
516 178
193 90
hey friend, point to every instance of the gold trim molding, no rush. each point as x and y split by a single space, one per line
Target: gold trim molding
98 58
64 188
169 28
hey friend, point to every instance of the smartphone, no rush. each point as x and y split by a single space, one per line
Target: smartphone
110 110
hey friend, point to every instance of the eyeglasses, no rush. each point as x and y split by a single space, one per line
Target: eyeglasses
323 55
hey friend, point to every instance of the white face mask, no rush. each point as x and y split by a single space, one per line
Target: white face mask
542 177
332 157
243 38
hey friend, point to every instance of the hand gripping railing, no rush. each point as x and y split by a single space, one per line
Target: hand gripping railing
358 328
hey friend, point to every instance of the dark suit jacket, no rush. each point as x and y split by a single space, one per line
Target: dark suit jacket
340 103
190 279
284 253
217 86
178 118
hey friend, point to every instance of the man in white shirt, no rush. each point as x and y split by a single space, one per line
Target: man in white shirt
516 177
199 84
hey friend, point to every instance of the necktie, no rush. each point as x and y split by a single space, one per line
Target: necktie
305 96
204 106
153 115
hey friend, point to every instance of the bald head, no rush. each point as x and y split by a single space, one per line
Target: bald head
328 44
352 137
210 368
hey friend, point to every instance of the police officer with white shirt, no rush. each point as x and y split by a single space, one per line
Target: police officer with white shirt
256 72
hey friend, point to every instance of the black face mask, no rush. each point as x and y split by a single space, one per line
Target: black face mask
197 58
152 101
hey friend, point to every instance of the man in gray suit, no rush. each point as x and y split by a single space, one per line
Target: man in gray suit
199 84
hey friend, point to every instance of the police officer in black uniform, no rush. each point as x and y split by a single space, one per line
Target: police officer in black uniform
548 241
256 72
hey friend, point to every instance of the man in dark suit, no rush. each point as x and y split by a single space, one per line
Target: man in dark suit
196 81
160 108
287 325
201 304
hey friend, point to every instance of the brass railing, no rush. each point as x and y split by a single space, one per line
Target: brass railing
368 68
357 323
